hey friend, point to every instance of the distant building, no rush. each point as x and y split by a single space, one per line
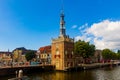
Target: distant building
5 57
78 59
19 54
45 54
98 55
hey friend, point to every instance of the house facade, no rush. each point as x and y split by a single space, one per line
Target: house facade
98 56
45 54
5 58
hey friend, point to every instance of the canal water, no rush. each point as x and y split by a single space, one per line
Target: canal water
112 73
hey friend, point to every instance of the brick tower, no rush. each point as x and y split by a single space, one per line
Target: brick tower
62 48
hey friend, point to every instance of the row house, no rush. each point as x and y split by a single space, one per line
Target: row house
5 58
45 54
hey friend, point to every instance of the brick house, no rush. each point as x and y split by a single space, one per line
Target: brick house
45 54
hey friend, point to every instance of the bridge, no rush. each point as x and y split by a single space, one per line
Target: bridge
7 70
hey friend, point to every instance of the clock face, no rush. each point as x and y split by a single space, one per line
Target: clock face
57 52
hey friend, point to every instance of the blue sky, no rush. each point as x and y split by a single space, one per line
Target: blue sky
32 23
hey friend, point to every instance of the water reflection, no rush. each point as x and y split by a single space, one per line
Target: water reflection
96 74
107 74
81 75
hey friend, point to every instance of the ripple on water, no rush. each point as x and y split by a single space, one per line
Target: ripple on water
107 73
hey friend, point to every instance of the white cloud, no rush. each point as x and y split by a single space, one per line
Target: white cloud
74 26
83 26
105 34
85 38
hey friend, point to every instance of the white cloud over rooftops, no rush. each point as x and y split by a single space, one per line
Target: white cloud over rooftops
106 34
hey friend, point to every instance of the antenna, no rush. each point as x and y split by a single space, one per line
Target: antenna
62 6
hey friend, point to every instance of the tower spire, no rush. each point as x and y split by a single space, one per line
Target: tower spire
62 22
62 6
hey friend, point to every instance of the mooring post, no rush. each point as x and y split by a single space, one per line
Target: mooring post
16 72
20 74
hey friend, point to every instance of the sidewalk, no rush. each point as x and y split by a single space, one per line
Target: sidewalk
96 65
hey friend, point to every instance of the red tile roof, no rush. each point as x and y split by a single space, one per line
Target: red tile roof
45 49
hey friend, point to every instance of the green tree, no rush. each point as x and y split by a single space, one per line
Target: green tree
108 54
30 55
118 54
114 55
118 51
84 49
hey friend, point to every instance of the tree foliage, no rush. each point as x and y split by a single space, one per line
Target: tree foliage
118 51
30 55
118 54
84 49
108 54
